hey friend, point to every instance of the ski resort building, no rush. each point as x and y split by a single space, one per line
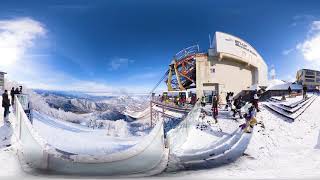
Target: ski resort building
309 78
230 65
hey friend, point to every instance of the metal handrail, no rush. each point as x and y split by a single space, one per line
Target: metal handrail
186 52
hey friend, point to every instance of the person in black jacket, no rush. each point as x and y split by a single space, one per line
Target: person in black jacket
5 103
227 100
305 89
17 91
238 103
289 90
12 96
215 102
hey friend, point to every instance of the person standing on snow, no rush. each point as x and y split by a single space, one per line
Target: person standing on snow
289 91
238 105
251 121
203 101
230 99
5 103
215 107
227 100
304 92
17 91
256 102
12 96
193 99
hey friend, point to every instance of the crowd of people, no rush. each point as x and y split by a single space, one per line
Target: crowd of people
179 100
6 101
234 104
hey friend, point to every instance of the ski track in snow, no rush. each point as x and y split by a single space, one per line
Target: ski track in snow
282 150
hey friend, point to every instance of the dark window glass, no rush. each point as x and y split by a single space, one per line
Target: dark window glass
308 72
311 77
309 80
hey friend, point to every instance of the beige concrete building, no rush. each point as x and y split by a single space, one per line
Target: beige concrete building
309 78
230 65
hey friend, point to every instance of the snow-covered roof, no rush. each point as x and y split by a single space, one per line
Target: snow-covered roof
254 87
275 82
284 86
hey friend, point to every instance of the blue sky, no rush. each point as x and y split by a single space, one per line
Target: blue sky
111 45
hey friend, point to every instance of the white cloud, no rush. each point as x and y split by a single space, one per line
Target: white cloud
117 63
315 26
310 47
16 35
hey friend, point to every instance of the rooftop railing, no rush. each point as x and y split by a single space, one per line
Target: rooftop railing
186 52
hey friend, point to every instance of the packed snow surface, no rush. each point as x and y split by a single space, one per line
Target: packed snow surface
79 139
206 132
280 150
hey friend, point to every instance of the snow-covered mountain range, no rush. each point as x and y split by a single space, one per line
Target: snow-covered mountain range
103 107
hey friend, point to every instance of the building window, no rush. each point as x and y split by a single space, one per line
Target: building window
309 80
318 73
309 72
318 80
310 77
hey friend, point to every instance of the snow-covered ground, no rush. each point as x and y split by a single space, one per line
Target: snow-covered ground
279 150
80 139
206 132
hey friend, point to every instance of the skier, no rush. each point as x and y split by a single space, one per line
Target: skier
12 96
5 103
20 90
215 107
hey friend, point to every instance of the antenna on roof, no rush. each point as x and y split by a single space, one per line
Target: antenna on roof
210 42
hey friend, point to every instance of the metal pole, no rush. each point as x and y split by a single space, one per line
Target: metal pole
151 113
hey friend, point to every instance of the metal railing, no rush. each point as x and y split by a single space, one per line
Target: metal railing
186 52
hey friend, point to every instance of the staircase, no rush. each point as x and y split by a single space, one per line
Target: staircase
292 110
